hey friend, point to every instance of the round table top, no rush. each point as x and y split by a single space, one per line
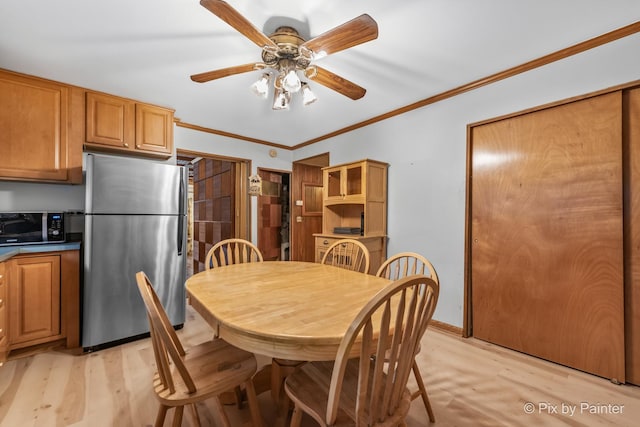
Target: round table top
283 309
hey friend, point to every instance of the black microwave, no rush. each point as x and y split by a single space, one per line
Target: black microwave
23 228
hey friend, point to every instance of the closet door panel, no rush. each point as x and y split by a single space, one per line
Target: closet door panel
632 235
546 234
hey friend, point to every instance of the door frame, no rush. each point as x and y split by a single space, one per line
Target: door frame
242 203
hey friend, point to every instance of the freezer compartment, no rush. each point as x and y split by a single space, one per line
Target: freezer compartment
117 247
117 185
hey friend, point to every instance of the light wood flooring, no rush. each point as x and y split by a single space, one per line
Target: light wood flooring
470 383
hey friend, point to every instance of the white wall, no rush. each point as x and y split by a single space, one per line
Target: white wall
25 196
426 150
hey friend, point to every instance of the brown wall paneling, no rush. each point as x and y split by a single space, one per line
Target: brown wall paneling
213 206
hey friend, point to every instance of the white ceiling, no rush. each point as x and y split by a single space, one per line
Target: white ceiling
147 49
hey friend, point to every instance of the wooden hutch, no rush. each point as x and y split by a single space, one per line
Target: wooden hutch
354 206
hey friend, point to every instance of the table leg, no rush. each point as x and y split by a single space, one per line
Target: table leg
280 368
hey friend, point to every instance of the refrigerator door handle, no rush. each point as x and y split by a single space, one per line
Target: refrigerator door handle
180 233
181 211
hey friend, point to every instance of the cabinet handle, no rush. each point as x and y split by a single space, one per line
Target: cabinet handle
326 242
137 145
125 145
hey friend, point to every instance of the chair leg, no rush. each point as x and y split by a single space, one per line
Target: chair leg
238 397
162 413
423 392
296 417
177 416
223 414
254 408
196 416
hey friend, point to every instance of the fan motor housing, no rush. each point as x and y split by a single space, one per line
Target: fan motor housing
288 41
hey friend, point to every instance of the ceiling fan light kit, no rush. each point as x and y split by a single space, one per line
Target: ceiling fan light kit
261 86
287 53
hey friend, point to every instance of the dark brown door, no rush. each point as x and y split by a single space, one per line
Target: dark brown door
213 206
305 223
546 234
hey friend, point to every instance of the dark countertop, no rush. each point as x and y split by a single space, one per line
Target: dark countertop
7 252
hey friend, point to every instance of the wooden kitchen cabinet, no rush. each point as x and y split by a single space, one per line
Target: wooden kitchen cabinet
4 343
34 300
355 197
345 183
121 125
39 142
39 302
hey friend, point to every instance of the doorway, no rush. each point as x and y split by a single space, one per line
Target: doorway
274 215
218 205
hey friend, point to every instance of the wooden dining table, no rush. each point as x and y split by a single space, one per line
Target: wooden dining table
282 309
288 310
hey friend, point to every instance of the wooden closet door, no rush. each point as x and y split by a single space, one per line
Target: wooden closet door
632 234
546 234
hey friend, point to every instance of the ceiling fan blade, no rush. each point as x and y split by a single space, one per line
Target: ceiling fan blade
232 17
352 33
224 72
337 83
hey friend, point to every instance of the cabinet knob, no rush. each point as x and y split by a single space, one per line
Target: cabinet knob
137 145
125 145
326 242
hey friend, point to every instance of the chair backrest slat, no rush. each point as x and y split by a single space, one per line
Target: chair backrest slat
349 254
232 251
400 313
405 264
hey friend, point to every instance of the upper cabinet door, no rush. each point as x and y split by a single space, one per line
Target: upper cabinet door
34 130
110 120
154 129
122 125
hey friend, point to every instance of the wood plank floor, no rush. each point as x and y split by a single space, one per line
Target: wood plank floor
470 383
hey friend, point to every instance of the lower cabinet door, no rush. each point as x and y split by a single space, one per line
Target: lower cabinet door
34 300
3 313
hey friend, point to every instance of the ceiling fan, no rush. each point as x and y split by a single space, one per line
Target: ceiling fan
287 53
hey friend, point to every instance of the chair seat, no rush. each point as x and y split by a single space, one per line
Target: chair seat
203 363
308 387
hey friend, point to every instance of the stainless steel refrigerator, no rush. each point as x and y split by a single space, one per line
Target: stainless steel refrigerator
134 221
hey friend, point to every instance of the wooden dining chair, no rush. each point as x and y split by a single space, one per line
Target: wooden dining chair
186 377
349 254
396 267
370 389
232 251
